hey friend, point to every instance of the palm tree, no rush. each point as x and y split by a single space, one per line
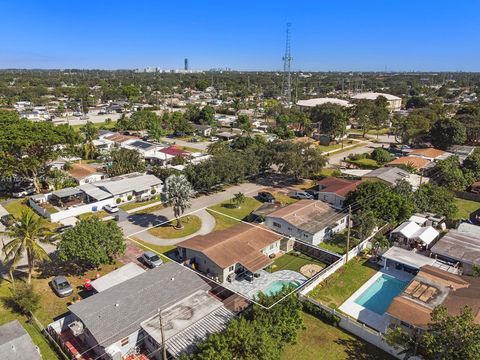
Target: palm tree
178 192
239 199
27 234
379 242
89 132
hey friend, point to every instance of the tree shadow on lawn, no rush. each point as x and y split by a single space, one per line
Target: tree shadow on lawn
357 349
55 267
147 220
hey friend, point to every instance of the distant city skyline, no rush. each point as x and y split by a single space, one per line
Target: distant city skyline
343 35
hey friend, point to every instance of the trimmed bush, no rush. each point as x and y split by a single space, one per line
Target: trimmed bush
153 191
129 197
321 314
118 201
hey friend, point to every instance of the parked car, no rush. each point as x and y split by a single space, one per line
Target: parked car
312 192
194 140
265 196
61 286
112 209
214 138
301 195
151 259
24 192
7 220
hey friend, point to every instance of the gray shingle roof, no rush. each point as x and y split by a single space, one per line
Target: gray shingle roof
129 182
118 311
389 174
16 344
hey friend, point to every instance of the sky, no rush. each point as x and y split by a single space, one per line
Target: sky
333 35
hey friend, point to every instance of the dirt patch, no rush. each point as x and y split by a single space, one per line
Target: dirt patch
310 270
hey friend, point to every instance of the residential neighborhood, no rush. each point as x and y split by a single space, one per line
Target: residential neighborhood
193 200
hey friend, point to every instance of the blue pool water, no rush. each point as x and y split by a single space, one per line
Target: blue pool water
380 294
277 286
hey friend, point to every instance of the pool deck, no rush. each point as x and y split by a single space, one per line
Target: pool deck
364 315
252 288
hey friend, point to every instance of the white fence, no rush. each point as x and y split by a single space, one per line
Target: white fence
360 330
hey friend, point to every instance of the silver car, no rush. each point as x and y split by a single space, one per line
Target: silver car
301 195
61 286
151 259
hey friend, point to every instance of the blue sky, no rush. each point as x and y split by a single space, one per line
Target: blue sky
336 35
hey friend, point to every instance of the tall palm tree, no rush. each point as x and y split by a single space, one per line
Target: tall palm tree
27 234
178 192
89 132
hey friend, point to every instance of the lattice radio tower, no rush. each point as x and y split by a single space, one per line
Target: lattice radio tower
287 75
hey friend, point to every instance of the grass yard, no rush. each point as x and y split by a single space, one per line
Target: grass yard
101 125
133 205
17 206
327 172
191 224
338 243
150 209
283 199
465 208
343 283
322 341
222 222
191 149
293 260
365 163
157 248
239 213
99 214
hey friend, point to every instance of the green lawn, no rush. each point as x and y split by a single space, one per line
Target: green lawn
338 243
293 260
156 248
283 199
102 125
134 204
17 206
191 224
230 210
365 163
343 283
99 214
465 208
319 340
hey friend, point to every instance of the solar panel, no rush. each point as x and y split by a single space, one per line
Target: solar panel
141 144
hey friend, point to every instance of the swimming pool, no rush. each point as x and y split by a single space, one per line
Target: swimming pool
380 294
276 286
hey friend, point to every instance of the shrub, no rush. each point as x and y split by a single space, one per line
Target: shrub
381 155
153 191
358 156
24 300
323 315
118 201
129 197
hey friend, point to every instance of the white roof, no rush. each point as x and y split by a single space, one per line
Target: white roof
321 101
426 235
407 229
94 192
420 220
374 95
126 272
407 257
129 182
469 228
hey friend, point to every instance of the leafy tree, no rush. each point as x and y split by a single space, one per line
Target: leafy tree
282 127
364 223
91 243
437 199
381 155
471 164
447 337
239 199
332 119
447 132
408 128
244 123
124 161
379 242
57 179
363 113
178 192
416 102
89 132
24 299
27 234
131 92
448 173
206 116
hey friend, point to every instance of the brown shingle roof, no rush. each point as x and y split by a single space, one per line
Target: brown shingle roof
428 152
338 186
119 138
311 216
241 243
433 287
417 162
80 171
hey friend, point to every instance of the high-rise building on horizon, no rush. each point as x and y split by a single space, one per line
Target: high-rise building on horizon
185 64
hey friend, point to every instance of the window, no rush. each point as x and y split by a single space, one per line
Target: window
204 262
289 228
277 224
231 268
272 246
124 341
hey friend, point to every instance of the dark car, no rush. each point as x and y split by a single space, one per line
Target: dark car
62 229
7 220
312 192
194 140
61 286
265 196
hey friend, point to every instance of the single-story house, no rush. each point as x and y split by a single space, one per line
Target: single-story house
134 186
333 190
417 163
311 221
124 318
123 273
430 288
240 249
431 154
203 130
85 173
411 235
459 247
392 175
15 343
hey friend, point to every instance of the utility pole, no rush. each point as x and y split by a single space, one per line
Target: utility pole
348 232
164 348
